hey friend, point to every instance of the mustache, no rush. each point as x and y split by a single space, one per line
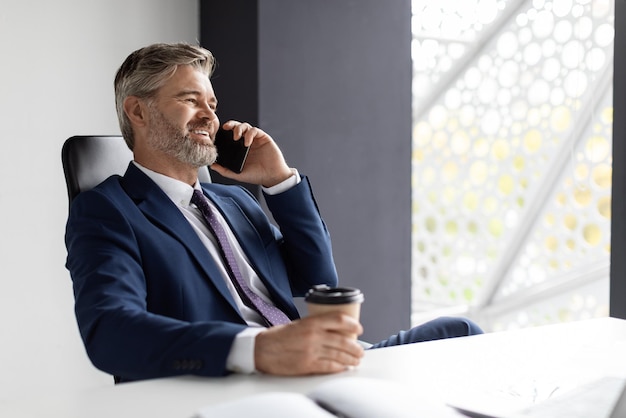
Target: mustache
201 126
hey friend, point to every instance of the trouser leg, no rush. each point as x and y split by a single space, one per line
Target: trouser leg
444 327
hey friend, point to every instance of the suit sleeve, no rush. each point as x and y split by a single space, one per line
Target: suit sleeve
306 242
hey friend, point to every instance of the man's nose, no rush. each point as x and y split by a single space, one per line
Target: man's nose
207 112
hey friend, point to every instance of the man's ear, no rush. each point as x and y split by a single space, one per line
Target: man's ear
136 110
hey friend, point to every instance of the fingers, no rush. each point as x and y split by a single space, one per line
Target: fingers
243 130
314 345
330 360
338 322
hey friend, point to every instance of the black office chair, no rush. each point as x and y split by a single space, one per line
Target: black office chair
88 160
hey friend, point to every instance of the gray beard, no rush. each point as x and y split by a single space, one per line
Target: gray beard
166 137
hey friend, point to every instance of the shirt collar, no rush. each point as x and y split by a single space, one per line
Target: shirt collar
179 192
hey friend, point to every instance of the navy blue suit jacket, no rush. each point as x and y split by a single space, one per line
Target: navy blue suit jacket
149 299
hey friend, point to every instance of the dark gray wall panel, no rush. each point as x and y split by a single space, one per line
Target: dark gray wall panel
618 210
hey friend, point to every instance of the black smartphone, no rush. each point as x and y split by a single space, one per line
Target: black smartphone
230 153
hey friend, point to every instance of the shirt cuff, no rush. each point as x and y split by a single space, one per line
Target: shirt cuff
241 356
285 185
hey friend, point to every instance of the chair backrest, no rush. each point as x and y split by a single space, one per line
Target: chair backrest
89 160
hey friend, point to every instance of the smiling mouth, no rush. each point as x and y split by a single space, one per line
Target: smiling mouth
200 132
201 135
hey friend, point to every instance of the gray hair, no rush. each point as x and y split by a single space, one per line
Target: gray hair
147 69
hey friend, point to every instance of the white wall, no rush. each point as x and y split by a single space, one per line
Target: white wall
57 63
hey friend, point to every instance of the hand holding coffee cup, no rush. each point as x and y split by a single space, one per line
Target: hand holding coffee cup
321 299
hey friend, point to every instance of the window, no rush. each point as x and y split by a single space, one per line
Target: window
512 159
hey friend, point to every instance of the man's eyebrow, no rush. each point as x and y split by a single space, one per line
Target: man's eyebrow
187 93
183 93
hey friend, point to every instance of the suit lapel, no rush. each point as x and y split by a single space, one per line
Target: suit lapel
158 207
252 244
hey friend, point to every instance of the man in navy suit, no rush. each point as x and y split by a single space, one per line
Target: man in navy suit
154 295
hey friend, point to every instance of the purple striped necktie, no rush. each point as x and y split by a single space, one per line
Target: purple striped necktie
269 312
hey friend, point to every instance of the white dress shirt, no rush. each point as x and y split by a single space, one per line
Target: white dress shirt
241 356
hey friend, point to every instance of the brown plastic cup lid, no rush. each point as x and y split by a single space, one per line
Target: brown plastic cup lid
326 295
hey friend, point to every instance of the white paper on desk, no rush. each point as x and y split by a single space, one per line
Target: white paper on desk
505 400
266 405
596 398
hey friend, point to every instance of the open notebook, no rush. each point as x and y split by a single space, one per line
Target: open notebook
348 397
603 397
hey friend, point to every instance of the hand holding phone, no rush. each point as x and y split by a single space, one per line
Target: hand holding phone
230 153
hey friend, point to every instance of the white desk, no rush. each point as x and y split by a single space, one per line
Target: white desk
510 366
